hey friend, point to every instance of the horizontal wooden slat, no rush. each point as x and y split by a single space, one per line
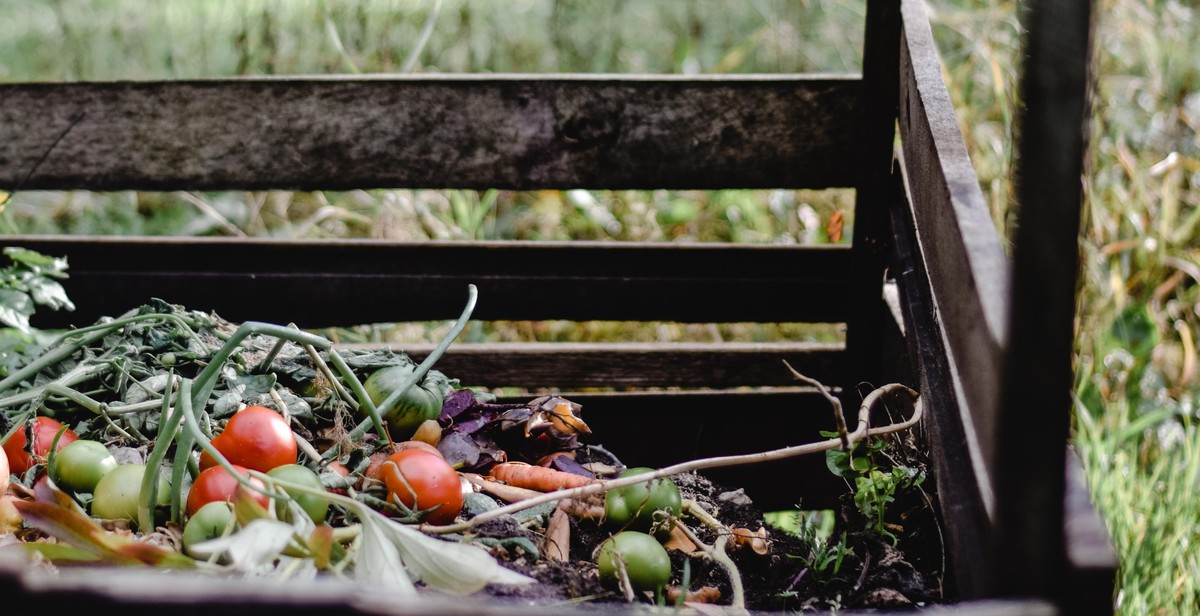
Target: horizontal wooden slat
967 267
141 590
326 283
633 365
432 131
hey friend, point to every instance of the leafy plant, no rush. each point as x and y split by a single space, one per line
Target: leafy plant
30 280
874 487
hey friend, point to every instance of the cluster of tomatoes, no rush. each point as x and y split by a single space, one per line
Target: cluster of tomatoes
255 438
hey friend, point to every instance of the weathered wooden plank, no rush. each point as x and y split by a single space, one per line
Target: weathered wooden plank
126 590
967 267
536 365
1038 372
432 131
961 492
873 190
326 283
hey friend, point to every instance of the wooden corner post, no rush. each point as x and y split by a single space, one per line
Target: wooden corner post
873 195
1034 421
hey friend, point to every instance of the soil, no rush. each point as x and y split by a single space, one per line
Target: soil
876 572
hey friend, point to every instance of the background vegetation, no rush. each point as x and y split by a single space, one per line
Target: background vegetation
1136 409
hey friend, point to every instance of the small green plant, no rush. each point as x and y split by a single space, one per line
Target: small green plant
815 529
874 487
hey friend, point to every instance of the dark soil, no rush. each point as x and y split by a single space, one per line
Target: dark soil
875 573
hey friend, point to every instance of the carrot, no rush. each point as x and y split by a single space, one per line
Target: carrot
537 478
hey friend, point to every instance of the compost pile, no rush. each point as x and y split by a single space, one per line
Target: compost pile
173 438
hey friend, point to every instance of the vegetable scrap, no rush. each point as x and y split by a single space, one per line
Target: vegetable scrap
169 437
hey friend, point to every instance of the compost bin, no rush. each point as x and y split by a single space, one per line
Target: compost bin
929 297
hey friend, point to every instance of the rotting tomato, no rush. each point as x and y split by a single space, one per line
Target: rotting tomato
117 493
643 558
255 437
216 485
420 402
633 507
423 481
80 465
44 429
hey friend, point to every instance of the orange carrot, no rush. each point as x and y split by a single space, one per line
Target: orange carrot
537 478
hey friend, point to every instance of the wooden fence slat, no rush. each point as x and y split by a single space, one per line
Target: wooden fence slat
350 282
967 267
432 131
632 365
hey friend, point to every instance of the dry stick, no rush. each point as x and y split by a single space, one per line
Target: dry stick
212 213
837 404
338 388
862 431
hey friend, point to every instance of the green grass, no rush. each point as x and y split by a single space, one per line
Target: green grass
1138 322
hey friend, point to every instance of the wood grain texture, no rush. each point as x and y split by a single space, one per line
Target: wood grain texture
961 492
873 193
433 131
349 282
967 267
536 365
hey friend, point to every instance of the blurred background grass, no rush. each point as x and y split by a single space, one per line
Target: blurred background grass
1135 424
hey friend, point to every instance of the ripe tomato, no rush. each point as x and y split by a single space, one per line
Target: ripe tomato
645 561
421 481
216 485
44 429
255 437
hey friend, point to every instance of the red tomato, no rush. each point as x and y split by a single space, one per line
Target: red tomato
255 437
44 429
216 485
422 480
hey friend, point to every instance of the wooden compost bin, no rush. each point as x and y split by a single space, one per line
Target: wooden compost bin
1020 533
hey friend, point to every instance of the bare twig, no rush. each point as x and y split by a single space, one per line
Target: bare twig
838 417
862 431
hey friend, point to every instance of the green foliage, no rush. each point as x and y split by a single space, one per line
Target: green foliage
815 529
875 485
30 280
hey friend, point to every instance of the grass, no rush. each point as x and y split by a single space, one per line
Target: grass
1135 425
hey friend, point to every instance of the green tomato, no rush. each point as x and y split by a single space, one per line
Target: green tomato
315 506
633 507
422 401
116 494
80 465
643 558
209 522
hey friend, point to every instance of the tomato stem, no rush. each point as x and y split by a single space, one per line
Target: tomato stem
167 427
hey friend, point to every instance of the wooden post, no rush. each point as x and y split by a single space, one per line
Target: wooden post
1034 421
881 85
